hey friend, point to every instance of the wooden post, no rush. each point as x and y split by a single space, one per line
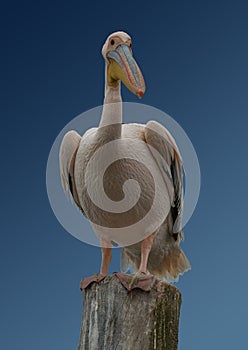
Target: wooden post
115 319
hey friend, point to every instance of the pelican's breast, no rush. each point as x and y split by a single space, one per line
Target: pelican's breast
120 185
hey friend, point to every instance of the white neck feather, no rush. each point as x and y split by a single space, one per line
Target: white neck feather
112 107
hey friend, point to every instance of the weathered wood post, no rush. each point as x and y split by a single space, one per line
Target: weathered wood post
115 319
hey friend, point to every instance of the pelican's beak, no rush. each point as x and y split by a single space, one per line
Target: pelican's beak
122 66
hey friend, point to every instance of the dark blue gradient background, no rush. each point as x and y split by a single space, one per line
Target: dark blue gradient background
194 56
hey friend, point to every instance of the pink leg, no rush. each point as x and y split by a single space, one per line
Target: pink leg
106 256
146 247
136 281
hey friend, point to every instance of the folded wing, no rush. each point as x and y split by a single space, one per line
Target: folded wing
166 153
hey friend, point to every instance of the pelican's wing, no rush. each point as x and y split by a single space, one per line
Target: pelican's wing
164 149
67 155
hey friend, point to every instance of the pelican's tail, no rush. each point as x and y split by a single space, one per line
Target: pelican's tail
173 264
167 264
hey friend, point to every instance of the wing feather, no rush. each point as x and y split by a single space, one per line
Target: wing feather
67 156
165 151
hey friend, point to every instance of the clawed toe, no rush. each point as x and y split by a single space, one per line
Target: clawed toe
97 277
137 278
140 280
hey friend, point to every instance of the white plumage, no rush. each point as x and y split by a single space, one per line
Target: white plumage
145 169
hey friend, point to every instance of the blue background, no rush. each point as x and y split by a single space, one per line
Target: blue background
194 58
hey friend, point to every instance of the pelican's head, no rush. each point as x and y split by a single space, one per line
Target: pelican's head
121 65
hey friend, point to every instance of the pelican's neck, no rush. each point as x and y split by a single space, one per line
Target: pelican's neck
112 107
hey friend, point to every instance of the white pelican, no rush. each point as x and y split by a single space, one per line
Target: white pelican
151 158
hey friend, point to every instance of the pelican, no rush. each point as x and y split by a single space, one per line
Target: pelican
150 231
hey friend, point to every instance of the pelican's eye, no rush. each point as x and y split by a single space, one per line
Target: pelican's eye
112 42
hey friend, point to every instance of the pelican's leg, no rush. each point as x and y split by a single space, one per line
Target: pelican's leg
106 256
146 247
106 259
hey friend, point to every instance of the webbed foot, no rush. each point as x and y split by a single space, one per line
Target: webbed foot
140 280
97 277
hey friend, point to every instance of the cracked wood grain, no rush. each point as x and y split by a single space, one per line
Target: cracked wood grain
115 319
